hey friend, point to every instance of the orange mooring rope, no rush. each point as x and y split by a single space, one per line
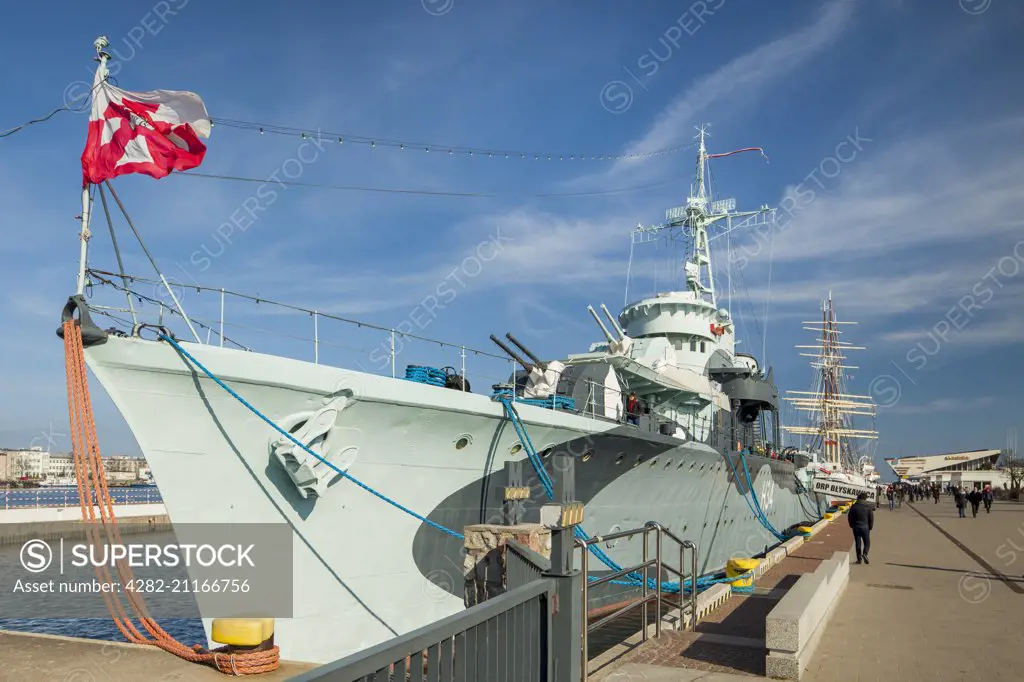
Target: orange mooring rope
89 469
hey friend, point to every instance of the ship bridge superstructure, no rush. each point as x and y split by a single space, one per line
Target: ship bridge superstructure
676 350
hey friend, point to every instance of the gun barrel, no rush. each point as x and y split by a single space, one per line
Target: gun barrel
508 351
600 324
526 350
615 323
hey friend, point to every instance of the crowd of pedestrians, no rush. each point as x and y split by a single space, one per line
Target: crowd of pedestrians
898 493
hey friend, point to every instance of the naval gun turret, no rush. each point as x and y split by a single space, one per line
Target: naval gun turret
541 380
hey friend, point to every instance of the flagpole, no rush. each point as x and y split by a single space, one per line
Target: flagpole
83 253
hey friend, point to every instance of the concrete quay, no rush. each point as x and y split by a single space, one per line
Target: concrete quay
51 523
48 658
942 599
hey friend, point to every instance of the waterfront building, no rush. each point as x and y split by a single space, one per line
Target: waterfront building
973 469
39 465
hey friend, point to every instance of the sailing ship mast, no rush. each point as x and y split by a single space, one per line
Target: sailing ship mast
832 408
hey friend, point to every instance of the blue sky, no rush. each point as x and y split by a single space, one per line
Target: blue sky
923 211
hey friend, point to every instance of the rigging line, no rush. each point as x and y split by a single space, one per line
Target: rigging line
138 237
86 102
289 306
344 138
11 131
424 192
160 304
768 302
117 252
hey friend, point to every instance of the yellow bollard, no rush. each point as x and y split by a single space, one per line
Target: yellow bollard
737 567
242 632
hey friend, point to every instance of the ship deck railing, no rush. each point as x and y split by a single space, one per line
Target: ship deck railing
228 318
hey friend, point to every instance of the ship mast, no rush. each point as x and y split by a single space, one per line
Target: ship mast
832 408
698 268
692 224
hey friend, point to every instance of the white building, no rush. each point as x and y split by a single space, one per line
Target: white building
61 466
974 469
31 463
37 464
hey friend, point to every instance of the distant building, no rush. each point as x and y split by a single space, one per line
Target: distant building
974 469
30 463
39 465
61 466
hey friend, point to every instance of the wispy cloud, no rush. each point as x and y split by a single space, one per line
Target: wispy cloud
739 81
959 404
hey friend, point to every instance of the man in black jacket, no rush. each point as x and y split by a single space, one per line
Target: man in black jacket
862 520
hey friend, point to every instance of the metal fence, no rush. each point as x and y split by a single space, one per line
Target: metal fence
38 498
507 638
536 631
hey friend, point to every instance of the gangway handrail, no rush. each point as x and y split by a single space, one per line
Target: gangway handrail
657 595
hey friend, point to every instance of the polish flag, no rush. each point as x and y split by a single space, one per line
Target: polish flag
142 132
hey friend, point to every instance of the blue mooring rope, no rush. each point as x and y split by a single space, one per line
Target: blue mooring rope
635 579
426 375
292 438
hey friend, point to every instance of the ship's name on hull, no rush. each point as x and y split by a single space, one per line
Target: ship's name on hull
843 490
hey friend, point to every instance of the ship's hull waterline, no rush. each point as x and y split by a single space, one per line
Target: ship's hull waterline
365 571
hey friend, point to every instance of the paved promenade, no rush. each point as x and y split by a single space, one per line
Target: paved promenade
25 657
943 599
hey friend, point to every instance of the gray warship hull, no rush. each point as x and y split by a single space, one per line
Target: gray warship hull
364 571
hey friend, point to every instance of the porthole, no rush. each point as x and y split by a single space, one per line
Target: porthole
462 441
692 464
515 449
619 459
668 464
587 455
654 462
638 460
680 465
546 453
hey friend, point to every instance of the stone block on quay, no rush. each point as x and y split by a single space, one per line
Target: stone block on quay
775 556
786 624
782 666
792 544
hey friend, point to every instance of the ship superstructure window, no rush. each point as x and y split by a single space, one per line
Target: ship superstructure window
693 345
702 347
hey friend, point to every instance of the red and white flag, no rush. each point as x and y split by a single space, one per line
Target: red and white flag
142 132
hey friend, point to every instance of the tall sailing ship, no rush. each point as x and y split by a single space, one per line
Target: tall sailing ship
367 567
838 468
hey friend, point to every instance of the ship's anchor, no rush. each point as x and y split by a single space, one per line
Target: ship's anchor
318 433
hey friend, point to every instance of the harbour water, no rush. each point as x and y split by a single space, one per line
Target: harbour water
188 630
64 496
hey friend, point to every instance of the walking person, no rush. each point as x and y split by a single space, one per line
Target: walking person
974 497
961 502
862 519
935 493
986 497
891 496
